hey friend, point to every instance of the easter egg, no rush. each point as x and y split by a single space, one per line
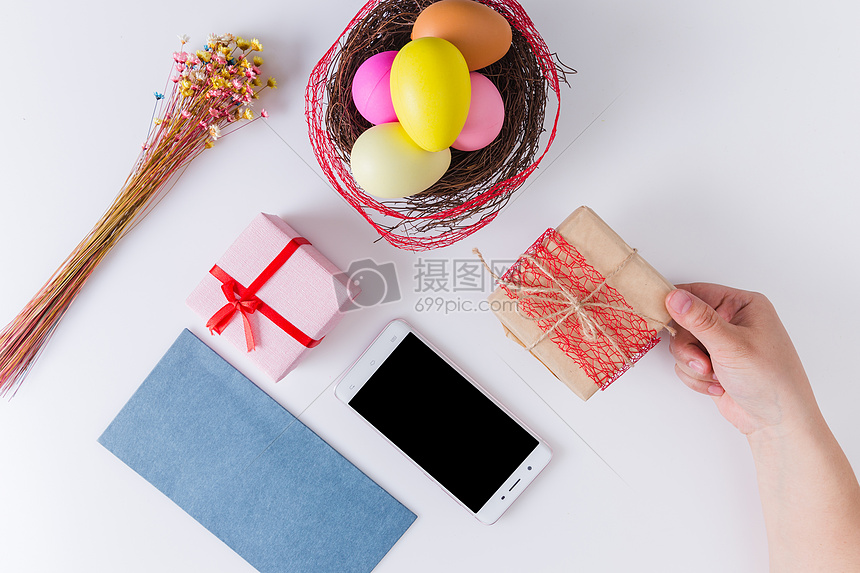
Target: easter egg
371 89
486 115
479 32
430 89
386 162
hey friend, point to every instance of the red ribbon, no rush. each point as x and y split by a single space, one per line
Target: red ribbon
244 300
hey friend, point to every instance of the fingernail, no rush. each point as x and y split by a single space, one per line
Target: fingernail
680 301
696 366
716 390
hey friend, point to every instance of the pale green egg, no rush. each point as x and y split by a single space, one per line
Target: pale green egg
388 164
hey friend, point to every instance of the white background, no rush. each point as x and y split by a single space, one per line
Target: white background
720 138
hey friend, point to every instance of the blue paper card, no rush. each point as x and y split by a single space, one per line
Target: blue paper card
249 471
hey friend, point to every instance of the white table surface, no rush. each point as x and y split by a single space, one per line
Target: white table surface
720 138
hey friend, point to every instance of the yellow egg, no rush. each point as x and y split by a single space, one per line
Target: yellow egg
479 32
430 89
386 163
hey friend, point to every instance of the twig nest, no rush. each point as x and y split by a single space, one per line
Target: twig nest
478 183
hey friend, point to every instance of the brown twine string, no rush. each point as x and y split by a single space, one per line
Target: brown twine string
577 307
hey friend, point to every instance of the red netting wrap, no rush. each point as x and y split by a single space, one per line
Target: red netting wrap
434 219
571 302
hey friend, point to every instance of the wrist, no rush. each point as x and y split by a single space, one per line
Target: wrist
810 424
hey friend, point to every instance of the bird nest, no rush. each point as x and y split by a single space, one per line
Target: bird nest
478 183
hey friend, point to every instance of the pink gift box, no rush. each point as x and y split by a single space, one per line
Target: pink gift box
271 294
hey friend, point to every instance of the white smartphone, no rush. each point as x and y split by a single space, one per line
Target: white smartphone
455 432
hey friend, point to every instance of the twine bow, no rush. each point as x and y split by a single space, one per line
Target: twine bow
573 305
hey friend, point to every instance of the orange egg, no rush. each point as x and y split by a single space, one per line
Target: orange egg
479 32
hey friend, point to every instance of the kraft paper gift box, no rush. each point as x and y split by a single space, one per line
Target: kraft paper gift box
583 302
272 294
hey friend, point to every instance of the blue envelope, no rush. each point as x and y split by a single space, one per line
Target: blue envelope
249 471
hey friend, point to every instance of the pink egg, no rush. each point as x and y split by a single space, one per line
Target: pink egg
486 115
371 89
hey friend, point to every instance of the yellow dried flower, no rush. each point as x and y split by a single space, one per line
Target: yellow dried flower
204 55
256 45
256 81
248 113
272 83
208 145
258 61
242 44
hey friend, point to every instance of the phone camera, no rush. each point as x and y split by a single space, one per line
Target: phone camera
503 497
529 468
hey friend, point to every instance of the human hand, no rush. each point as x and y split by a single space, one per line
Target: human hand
732 346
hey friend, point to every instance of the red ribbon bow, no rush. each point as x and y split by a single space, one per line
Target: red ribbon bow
245 301
244 306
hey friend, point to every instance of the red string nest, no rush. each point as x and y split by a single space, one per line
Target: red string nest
478 183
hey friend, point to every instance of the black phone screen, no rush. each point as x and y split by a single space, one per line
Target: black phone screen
441 421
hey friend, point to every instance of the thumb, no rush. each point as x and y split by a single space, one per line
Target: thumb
697 317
